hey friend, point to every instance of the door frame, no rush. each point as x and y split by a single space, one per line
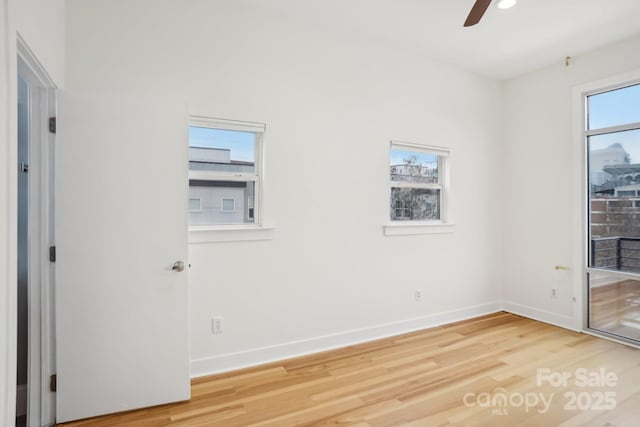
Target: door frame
581 208
41 364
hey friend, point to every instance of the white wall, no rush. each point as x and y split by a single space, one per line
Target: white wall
7 232
328 101
541 182
331 107
41 24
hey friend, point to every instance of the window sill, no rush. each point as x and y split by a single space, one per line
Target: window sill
407 229
229 233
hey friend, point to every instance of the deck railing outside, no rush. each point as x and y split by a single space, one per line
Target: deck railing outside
616 253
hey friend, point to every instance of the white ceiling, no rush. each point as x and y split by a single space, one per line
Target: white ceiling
506 43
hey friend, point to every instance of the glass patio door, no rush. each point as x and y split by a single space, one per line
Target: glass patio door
612 138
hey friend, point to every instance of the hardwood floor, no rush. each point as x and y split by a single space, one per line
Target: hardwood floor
449 375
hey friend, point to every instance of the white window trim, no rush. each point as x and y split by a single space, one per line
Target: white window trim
435 227
226 124
229 233
234 232
444 225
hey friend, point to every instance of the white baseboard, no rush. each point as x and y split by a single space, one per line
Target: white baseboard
21 400
560 320
259 356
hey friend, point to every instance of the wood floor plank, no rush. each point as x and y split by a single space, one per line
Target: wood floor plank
434 377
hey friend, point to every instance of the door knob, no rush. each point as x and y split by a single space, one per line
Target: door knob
178 266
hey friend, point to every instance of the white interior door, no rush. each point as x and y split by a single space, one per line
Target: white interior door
121 223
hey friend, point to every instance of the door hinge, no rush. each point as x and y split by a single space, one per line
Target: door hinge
53 382
52 124
24 167
52 254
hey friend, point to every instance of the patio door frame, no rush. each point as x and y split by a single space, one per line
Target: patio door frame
582 201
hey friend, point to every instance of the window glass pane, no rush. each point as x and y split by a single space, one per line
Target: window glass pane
221 150
614 305
613 158
614 181
613 108
413 166
614 213
415 204
222 202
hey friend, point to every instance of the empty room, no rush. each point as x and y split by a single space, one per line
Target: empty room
309 213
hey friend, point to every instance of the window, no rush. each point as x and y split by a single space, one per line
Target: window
224 172
195 205
612 136
416 182
418 186
228 205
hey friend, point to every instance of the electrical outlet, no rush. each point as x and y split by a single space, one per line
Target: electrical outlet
554 293
418 295
216 325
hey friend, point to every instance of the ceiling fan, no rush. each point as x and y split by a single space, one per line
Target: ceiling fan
481 6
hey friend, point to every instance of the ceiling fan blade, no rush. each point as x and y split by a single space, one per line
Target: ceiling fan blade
477 11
